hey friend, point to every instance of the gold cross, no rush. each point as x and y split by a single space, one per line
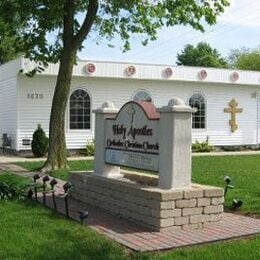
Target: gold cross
233 110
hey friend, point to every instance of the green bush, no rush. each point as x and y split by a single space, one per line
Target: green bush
40 142
11 191
202 147
90 148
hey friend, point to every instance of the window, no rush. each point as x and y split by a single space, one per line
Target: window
80 110
142 95
199 117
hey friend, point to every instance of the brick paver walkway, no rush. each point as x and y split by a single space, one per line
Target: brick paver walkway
141 239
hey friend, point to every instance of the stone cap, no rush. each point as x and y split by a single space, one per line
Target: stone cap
176 104
154 192
106 108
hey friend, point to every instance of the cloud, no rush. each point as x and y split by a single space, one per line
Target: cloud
242 13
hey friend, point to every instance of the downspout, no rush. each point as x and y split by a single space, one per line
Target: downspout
257 120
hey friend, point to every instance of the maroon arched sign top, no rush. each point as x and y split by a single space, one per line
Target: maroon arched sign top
148 108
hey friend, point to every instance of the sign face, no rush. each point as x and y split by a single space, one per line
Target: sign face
132 137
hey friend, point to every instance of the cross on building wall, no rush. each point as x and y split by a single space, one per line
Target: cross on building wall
233 110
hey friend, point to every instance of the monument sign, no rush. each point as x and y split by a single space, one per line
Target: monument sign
142 136
132 137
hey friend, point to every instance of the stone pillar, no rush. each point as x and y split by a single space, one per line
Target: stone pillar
175 145
102 169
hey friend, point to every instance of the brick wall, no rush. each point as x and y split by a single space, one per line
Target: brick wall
152 207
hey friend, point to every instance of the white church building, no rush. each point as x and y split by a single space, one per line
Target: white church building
227 101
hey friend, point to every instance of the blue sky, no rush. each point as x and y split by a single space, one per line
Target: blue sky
238 27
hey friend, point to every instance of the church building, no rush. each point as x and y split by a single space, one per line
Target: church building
227 101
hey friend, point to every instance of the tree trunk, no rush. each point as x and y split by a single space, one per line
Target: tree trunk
57 153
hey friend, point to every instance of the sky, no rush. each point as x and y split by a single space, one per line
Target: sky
238 27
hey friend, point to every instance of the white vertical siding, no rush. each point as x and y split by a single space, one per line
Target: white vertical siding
37 111
8 100
119 91
257 97
8 109
33 111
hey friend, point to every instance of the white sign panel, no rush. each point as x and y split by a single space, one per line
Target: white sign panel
132 159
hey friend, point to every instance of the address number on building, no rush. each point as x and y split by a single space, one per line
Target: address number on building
34 96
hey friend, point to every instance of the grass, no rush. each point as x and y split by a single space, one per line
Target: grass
30 231
64 174
243 170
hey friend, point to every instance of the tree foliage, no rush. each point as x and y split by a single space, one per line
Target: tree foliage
54 31
245 59
202 55
45 22
7 50
8 38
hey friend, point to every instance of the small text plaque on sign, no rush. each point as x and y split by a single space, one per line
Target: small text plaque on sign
132 159
132 137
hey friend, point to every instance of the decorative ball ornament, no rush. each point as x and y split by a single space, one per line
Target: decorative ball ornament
203 74
130 70
90 68
168 72
234 76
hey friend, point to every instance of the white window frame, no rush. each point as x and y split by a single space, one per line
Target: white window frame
91 116
205 113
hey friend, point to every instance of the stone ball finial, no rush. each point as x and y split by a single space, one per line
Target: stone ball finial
176 101
108 104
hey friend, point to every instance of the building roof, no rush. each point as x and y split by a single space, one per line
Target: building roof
123 70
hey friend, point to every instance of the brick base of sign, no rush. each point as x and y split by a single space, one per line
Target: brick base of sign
151 207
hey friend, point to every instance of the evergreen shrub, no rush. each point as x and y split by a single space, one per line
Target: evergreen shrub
40 142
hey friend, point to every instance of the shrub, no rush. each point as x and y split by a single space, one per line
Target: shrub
90 148
202 147
11 191
40 142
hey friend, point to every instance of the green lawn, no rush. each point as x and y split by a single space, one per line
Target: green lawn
30 231
82 165
244 171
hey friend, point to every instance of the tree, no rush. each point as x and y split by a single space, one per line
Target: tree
63 18
245 59
7 50
202 55
7 39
